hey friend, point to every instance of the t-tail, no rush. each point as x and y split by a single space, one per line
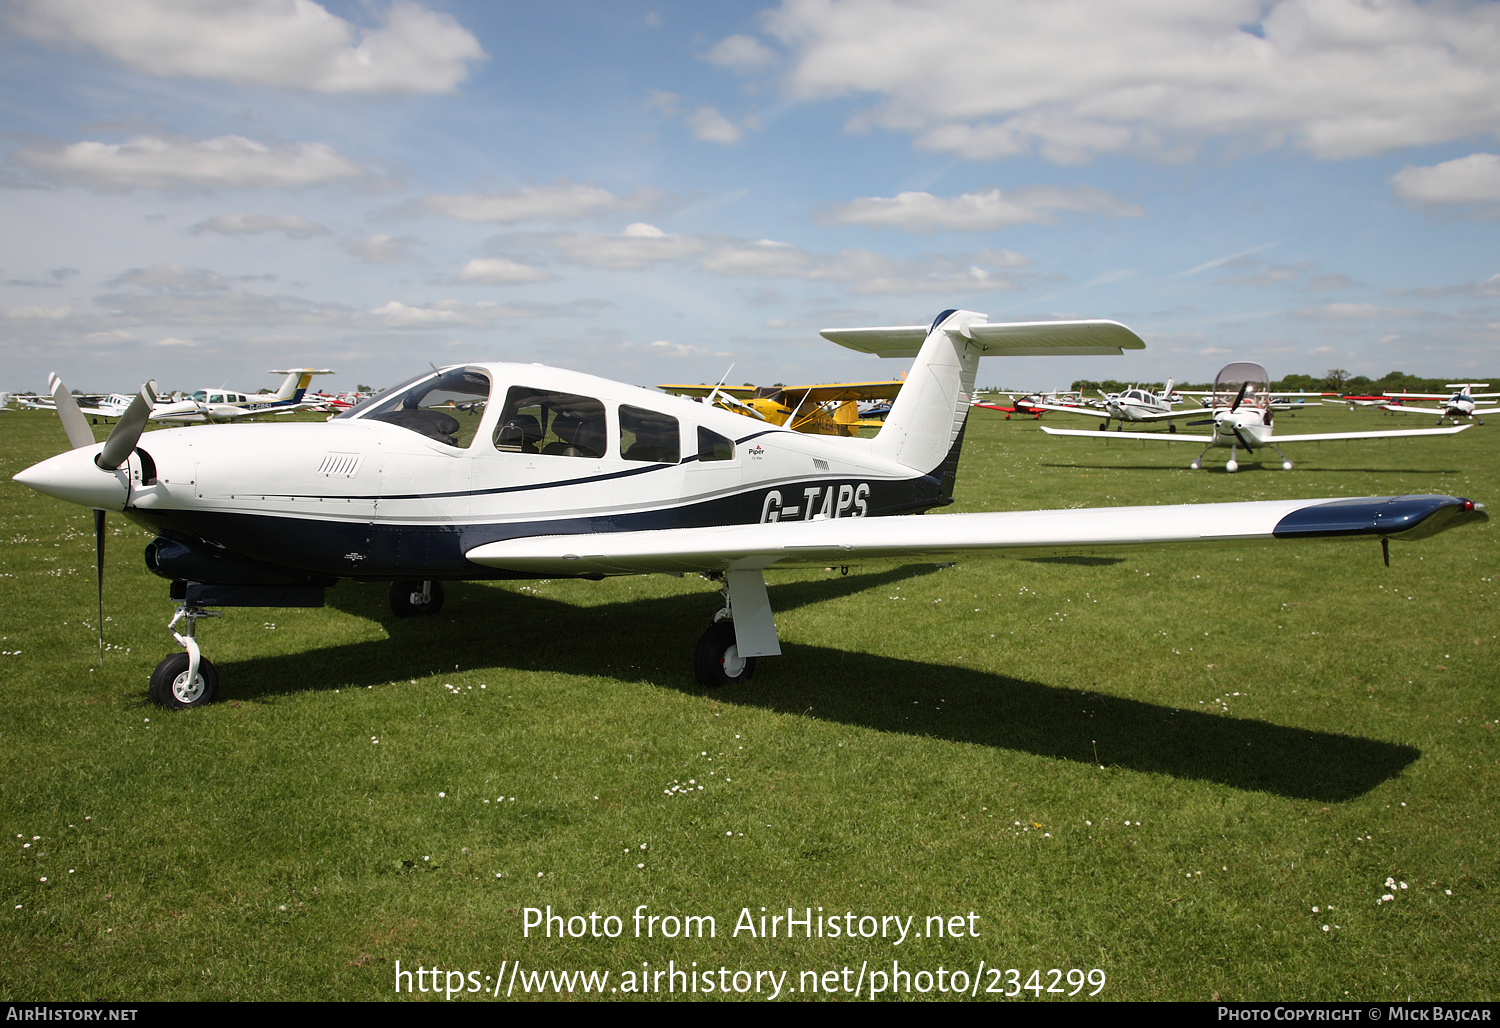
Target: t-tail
925 428
294 386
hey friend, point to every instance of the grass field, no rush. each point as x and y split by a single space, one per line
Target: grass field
1194 769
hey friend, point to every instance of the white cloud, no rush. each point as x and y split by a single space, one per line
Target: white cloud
639 246
383 249
741 53
1488 288
1474 179
442 313
710 126
978 212
495 271
258 224
289 44
565 201
988 79
1355 312
862 271
155 162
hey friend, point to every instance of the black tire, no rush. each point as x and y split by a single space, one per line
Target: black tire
716 661
170 689
401 602
1171 427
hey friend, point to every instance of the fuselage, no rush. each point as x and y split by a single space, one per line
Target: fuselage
373 494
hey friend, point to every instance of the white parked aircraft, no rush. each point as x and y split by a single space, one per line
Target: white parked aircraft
227 405
513 471
1460 404
204 405
1243 413
1134 404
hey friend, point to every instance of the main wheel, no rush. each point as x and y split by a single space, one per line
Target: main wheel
406 598
1171 426
170 687
717 659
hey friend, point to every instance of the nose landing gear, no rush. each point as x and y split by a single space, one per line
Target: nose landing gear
185 679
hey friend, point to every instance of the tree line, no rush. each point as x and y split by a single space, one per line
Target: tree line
1335 380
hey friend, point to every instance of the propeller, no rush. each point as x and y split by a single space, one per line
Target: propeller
117 450
1239 397
1203 421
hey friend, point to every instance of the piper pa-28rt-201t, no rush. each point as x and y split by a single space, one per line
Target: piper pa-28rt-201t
514 471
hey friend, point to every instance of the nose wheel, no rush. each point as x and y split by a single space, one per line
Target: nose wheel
185 679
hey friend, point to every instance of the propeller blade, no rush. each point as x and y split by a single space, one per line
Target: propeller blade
1239 397
127 431
79 433
1204 421
99 572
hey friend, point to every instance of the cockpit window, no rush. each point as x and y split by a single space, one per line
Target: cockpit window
1243 384
201 396
647 435
446 406
551 423
713 446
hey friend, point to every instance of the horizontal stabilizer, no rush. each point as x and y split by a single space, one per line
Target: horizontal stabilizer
1014 339
943 537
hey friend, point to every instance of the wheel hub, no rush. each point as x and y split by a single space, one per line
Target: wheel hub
187 691
734 664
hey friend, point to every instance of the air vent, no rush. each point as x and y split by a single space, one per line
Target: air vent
340 465
819 464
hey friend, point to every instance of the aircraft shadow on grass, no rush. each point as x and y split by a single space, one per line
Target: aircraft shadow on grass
649 640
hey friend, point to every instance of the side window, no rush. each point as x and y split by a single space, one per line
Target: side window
713 446
555 424
647 435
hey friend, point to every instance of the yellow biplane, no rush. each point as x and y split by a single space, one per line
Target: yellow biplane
830 409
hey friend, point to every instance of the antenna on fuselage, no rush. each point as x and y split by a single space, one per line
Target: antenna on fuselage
715 391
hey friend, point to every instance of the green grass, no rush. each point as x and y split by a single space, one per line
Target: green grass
1284 727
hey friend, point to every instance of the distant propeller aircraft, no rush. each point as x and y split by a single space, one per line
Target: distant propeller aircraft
1242 416
828 409
516 471
1459 404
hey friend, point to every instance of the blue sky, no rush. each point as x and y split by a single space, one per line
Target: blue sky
653 191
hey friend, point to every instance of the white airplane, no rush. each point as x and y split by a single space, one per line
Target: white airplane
227 405
1243 415
1460 404
515 471
1134 404
103 408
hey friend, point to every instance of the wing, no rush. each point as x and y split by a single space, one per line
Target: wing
1014 339
1092 412
1401 408
833 392
738 392
1324 437
1155 437
941 537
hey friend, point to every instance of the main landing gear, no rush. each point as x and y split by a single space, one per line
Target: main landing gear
412 597
185 679
741 631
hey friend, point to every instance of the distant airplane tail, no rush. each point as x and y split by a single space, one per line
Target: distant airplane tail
925 427
294 386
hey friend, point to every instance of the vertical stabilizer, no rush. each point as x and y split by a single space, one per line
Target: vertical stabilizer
927 417
294 386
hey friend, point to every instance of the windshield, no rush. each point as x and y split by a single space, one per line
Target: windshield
446 406
1244 384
